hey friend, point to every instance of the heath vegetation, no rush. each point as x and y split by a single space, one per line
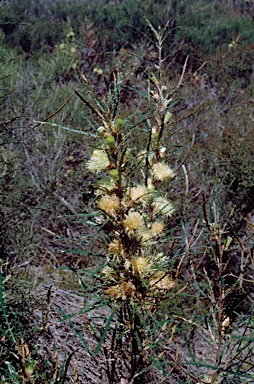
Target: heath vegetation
126 232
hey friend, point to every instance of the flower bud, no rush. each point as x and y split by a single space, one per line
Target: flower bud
128 152
71 34
111 141
114 174
153 80
155 136
118 123
167 117
228 243
100 130
30 366
162 151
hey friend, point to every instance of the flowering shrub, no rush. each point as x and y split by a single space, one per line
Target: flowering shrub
138 213
149 271
137 276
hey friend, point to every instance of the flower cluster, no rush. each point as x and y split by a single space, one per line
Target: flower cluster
138 212
69 48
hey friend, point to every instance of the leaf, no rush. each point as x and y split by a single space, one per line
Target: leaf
66 128
104 335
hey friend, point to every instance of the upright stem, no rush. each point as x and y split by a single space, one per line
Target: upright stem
220 308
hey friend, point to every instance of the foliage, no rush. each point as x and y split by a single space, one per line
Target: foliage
207 26
36 25
16 359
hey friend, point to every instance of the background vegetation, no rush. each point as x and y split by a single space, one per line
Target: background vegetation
50 50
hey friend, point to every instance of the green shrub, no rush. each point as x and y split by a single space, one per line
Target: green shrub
34 26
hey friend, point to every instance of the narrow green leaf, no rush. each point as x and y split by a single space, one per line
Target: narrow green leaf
103 337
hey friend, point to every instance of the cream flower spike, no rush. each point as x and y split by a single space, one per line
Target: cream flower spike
109 273
139 194
98 161
140 265
162 171
157 227
162 281
162 206
109 204
116 248
132 221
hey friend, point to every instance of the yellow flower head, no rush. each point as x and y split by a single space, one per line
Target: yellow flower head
157 227
150 187
122 290
116 248
109 204
162 281
140 265
109 273
162 171
145 235
162 206
132 221
98 161
138 193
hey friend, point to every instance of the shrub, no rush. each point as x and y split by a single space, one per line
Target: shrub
143 266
